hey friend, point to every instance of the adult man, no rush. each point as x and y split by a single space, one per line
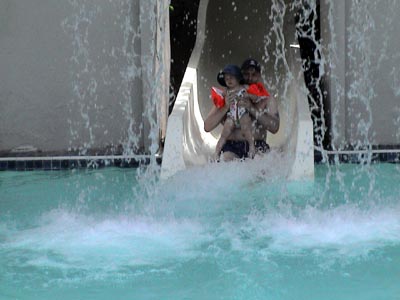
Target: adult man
264 113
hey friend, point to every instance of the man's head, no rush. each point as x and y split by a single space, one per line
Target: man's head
251 71
230 76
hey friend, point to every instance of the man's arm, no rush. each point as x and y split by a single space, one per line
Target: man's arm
265 112
269 114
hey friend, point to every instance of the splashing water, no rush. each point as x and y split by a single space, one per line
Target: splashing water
248 237
212 232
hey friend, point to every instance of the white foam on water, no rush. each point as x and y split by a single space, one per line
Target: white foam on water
70 240
220 214
172 227
346 231
225 176
213 188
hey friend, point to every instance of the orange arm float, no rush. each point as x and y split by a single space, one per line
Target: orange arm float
217 97
258 89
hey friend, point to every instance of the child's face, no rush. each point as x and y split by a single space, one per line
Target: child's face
251 75
231 81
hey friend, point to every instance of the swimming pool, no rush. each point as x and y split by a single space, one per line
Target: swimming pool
208 233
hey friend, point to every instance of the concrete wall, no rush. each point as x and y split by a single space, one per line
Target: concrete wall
361 50
73 74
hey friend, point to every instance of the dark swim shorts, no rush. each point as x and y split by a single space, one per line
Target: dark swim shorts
241 148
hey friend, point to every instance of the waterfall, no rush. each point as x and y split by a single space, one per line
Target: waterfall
119 78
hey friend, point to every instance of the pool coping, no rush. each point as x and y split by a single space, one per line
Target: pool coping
389 155
55 163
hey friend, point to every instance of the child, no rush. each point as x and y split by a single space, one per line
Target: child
237 117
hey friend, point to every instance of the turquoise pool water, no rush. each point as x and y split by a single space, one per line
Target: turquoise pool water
205 234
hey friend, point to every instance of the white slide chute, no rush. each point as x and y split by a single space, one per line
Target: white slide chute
224 34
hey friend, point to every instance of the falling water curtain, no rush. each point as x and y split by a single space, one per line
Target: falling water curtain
155 67
163 64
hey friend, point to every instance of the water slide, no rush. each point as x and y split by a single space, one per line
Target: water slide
229 32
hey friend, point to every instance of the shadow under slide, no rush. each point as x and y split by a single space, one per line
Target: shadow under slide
230 32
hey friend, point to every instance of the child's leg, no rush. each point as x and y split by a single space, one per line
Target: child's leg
246 125
229 126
